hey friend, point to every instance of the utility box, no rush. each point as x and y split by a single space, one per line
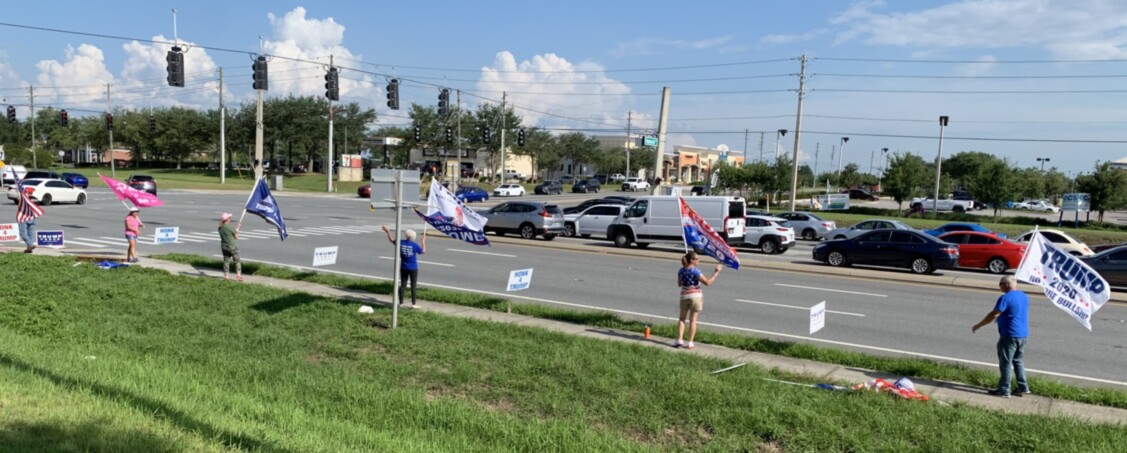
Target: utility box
276 182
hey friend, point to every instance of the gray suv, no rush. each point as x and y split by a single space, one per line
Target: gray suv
526 218
808 225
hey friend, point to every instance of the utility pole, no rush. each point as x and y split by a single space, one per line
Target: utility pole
817 147
629 140
797 135
503 95
661 130
745 145
222 133
871 154
761 146
109 111
329 164
459 146
34 155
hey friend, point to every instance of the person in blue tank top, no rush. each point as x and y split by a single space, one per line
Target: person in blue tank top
1011 311
409 252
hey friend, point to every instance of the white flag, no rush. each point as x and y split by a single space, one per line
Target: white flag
441 200
1069 283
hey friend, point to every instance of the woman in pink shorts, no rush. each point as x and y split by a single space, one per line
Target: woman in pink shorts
689 278
133 227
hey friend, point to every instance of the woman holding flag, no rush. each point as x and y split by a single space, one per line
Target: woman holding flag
133 227
689 278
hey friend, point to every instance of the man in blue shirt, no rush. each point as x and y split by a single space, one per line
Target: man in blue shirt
409 252
1012 314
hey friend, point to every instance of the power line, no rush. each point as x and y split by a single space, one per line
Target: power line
890 60
668 68
1034 77
972 91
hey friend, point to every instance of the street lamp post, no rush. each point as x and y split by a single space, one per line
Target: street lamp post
1042 160
938 165
883 167
780 132
841 152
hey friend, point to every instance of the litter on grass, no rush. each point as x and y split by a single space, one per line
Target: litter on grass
110 265
366 309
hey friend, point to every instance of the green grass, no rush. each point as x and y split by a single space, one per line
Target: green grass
915 368
136 359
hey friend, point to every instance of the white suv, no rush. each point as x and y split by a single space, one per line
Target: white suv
770 234
635 184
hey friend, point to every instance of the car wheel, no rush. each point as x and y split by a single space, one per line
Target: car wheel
836 259
809 234
959 210
769 246
921 265
81 199
527 231
569 230
596 190
996 265
622 239
46 199
548 237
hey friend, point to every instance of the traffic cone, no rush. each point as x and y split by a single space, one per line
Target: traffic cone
646 332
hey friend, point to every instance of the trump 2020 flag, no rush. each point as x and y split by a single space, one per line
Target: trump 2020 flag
1069 283
447 214
701 237
140 198
263 204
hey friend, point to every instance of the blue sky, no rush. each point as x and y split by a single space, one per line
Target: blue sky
1020 79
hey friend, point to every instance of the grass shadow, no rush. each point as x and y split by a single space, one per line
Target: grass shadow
280 304
89 436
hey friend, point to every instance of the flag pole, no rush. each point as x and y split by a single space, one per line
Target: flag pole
252 190
681 213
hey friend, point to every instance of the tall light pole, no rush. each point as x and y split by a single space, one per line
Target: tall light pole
938 165
883 168
780 132
1042 160
841 152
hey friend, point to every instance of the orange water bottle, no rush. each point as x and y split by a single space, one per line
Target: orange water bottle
646 331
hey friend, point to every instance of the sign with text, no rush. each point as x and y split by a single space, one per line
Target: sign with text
166 235
1076 202
649 140
49 238
325 256
9 232
817 317
520 279
834 201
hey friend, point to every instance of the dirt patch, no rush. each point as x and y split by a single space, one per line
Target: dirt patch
314 358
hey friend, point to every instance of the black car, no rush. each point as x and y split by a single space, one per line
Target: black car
919 252
586 185
1111 264
594 201
41 174
549 187
144 183
859 194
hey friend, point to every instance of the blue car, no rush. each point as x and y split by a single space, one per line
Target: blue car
76 180
944 229
920 253
470 194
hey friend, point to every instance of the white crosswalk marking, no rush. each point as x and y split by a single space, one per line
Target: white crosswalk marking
84 244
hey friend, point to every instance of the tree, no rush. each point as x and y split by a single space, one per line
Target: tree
963 166
1055 185
904 178
995 183
1031 182
849 176
544 149
1107 188
578 148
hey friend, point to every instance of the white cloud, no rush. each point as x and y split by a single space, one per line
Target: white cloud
77 81
146 62
987 63
655 46
298 37
787 39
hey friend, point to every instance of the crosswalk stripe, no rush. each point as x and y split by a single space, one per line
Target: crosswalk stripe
201 236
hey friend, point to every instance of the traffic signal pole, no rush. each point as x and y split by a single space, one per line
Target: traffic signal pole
109 125
34 155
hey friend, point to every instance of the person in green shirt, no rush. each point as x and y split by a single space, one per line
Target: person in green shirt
228 235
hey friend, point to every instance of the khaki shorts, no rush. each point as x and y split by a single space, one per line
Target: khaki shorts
693 304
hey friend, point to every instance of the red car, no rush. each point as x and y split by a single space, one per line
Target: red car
364 191
985 250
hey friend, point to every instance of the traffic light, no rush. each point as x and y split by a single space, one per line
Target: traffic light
11 114
109 121
520 137
444 102
449 135
418 134
485 135
175 67
63 118
393 94
260 80
332 84
152 124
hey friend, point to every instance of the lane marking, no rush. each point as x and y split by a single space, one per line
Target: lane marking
797 307
482 253
832 290
86 244
421 261
991 365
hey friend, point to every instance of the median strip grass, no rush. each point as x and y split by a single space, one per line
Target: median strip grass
911 367
136 359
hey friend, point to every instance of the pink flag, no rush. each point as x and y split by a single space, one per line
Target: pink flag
140 198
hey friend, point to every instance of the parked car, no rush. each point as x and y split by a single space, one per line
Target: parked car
699 190
509 190
1038 205
513 174
658 219
975 204
593 220
586 185
985 250
76 179
617 177
808 225
772 235
960 226
41 174
1099 248
1111 264
859 194
596 201
635 184
470 194
602 179
919 252
526 218
47 191
143 182
549 187
861 227
1060 239
567 179
946 204
364 191
9 173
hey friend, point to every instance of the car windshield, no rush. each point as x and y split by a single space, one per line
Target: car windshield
140 178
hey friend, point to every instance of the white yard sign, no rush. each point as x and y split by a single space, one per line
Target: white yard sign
325 256
520 279
817 317
166 235
9 232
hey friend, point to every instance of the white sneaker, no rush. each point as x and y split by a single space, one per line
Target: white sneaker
678 343
690 346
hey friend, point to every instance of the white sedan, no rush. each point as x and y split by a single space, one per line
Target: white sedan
509 190
47 191
1060 239
1042 206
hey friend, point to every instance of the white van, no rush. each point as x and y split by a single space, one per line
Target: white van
658 219
8 174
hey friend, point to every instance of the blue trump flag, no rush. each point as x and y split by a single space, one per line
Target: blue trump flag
453 227
263 204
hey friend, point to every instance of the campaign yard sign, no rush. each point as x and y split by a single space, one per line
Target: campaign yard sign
166 235
9 232
817 317
325 256
520 279
49 238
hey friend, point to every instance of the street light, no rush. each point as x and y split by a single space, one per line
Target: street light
883 167
841 152
1042 160
938 165
780 132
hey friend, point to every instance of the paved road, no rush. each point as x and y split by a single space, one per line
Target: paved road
868 315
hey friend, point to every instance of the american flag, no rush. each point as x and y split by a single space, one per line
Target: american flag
27 209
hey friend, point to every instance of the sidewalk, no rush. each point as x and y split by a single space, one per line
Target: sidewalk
939 392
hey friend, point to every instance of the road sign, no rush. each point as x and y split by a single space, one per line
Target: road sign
649 140
1081 202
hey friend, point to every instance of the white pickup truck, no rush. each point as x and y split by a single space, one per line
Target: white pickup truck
957 206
